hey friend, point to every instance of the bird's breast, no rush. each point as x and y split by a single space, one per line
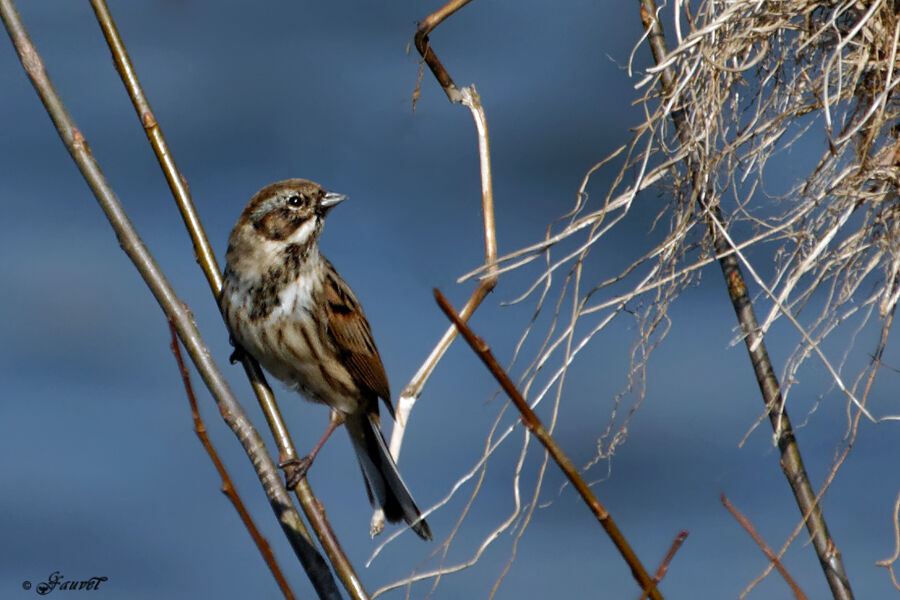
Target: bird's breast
290 340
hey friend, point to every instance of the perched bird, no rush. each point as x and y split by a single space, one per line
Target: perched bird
288 308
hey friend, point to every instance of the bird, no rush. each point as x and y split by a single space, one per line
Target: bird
287 306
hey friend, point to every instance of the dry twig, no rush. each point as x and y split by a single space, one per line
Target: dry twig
227 485
776 562
469 97
534 425
889 562
664 565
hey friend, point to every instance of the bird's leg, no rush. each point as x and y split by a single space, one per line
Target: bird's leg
295 470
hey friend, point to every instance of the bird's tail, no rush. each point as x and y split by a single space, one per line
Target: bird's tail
383 482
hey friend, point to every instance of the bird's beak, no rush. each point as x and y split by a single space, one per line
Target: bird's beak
331 200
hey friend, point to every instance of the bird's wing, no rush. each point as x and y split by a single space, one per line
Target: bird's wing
350 331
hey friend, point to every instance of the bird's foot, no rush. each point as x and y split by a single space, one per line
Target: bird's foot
295 470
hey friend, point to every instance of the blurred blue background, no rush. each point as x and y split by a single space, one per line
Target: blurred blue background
103 474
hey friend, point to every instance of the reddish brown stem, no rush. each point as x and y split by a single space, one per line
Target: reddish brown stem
534 425
748 526
227 487
664 565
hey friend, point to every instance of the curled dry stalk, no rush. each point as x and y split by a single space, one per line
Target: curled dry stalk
468 97
230 409
206 258
889 562
262 544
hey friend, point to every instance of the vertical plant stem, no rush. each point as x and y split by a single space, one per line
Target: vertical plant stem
206 258
791 461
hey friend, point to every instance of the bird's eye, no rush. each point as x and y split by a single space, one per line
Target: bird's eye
295 201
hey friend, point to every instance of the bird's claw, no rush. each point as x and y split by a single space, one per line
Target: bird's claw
295 470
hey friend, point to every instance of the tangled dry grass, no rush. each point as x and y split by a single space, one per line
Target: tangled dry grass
754 80
806 83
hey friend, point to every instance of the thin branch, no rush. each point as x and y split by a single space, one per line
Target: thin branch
469 97
229 407
791 461
748 526
850 439
206 258
227 485
664 565
534 425
203 252
423 45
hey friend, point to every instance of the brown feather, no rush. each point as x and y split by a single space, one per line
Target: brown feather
350 331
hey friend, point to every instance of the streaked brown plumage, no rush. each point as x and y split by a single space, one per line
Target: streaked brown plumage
287 306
